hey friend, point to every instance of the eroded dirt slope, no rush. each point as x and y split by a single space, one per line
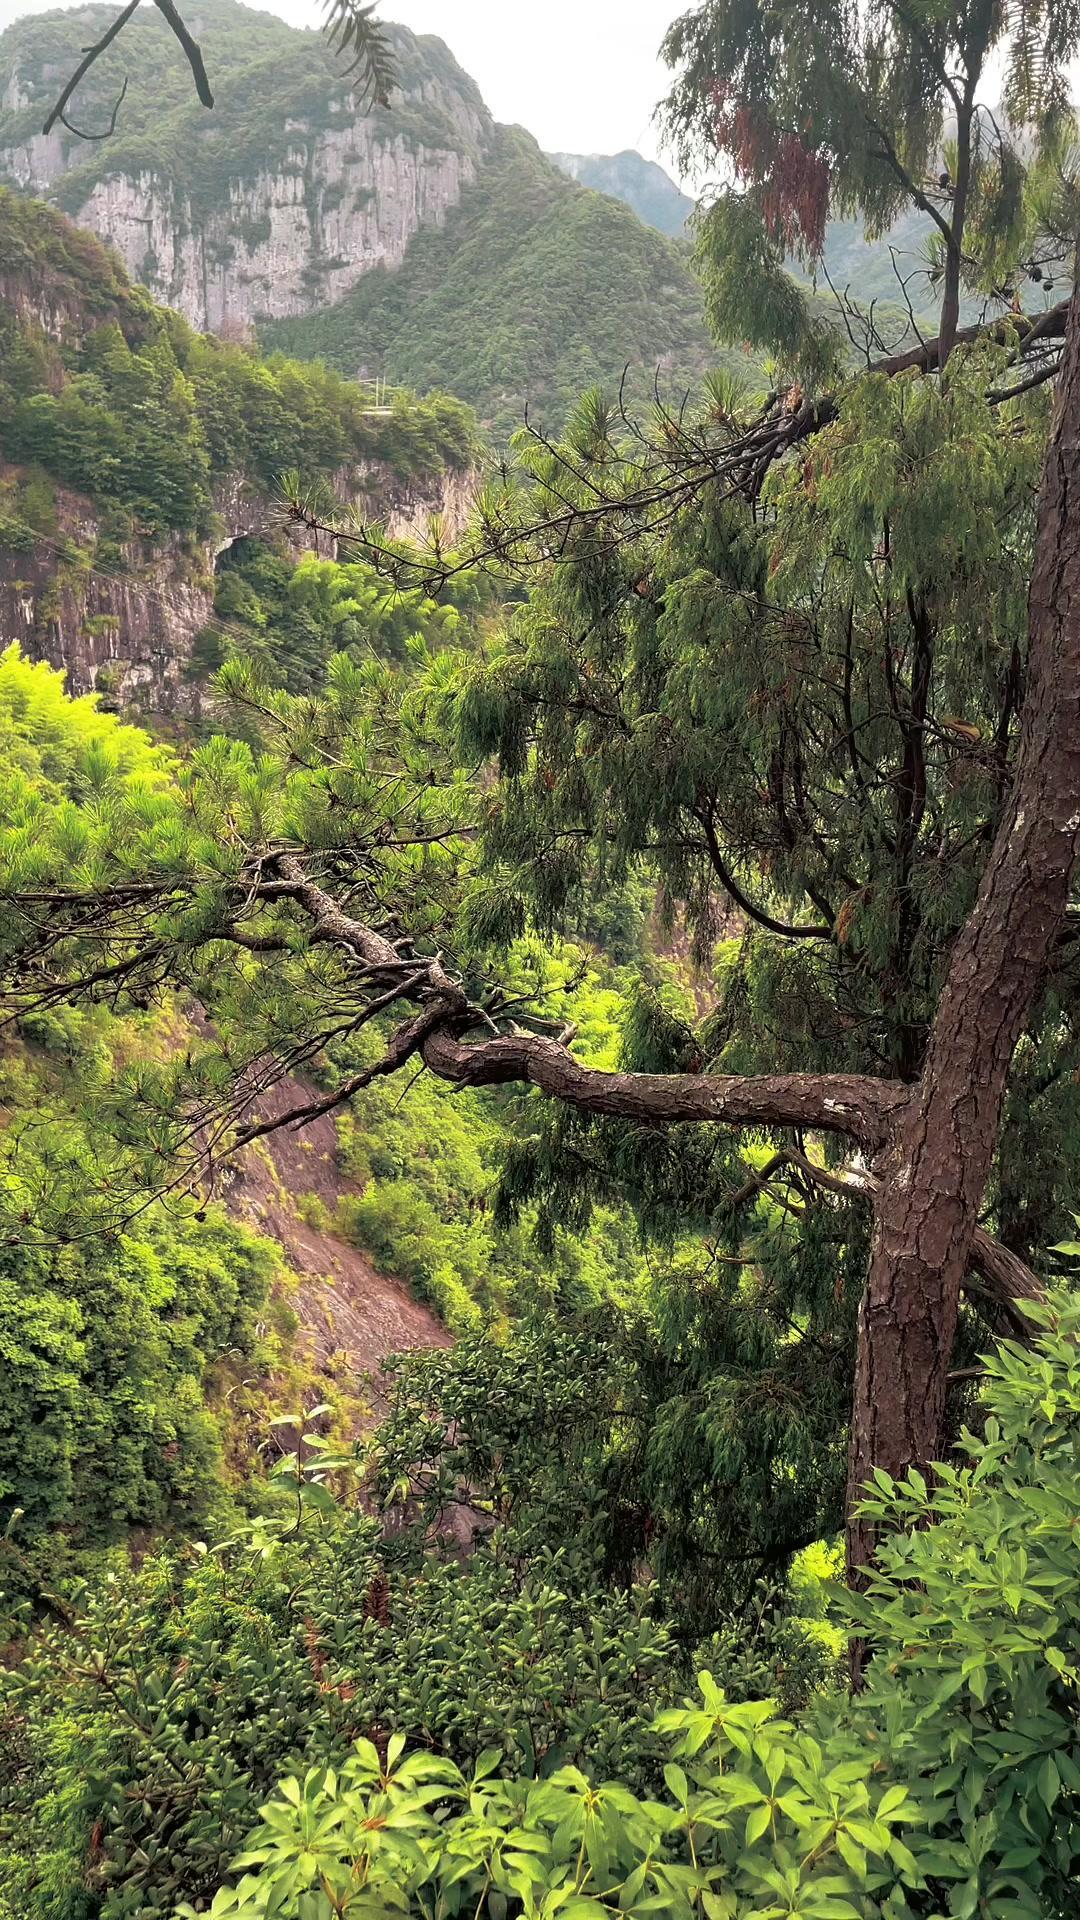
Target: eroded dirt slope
352 1316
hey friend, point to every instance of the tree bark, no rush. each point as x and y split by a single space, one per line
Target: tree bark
934 1173
954 245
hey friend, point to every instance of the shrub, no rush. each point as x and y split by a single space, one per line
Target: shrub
951 1785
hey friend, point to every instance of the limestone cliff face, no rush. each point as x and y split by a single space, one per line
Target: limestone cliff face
274 207
129 631
287 241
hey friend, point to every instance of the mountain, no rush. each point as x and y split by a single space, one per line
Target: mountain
531 290
419 240
135 454
873 270
641 183
275 202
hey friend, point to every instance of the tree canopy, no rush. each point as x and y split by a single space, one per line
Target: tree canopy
802 670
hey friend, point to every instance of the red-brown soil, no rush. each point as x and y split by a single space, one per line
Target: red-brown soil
351 1315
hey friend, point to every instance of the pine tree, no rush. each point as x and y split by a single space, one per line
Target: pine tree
785 659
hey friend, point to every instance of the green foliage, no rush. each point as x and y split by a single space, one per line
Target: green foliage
736 1359
108 1343
144 415
641 183
856 115
565 1845
155 1707
803 714
108 1353
56 749
84 276
952 1783
290 616
559 1428
531 290
266 77
428 1159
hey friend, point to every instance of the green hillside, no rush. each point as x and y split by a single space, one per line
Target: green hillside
628 176
534 289
531 290
266 76
141 413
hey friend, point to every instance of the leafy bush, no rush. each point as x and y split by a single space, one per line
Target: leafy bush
950 1785
156 1707
428 1160
130 1773
108 1352
108 1341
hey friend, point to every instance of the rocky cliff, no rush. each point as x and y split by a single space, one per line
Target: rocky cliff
135 453
275 204
417 242
127 626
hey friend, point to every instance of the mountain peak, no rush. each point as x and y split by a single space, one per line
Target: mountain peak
417 241
642 184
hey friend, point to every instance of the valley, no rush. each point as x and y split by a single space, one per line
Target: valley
539 981
378 241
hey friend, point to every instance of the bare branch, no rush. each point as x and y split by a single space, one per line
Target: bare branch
91 54
80 134
852 1104
194 57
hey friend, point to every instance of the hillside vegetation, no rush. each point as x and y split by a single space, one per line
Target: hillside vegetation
622 939
268 78
532 290
628 176
140 412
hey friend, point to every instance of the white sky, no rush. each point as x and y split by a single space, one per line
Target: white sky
584 76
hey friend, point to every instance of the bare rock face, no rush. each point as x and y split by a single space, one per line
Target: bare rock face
129 631
272 207
287 242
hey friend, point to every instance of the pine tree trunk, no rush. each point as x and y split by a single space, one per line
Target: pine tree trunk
935 1173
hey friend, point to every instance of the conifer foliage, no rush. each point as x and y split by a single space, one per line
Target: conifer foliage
815 662
873 111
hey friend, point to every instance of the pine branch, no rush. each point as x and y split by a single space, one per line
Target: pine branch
852 1104
680 470
355 34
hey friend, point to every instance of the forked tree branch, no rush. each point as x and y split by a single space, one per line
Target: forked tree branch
856 1105
90 54
859 1107
190 46
349 25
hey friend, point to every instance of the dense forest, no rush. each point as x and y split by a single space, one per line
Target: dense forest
540 1101
149 413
